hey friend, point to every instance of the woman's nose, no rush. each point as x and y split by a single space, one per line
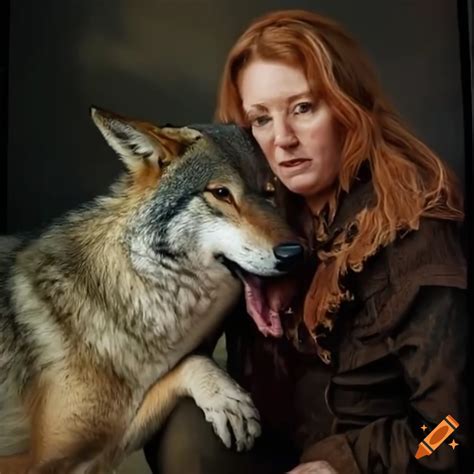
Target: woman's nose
284 135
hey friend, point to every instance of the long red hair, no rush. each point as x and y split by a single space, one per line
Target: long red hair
409 180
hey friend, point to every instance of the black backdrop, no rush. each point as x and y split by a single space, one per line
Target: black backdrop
161 60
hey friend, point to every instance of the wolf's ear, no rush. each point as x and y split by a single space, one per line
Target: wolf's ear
142 145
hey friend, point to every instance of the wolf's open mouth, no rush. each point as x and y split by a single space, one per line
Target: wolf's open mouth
265 298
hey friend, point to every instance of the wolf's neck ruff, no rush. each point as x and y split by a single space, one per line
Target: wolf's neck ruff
124 296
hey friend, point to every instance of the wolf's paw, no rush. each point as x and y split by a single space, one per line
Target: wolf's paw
226 406
231 407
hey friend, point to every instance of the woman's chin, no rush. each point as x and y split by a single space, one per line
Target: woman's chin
301 185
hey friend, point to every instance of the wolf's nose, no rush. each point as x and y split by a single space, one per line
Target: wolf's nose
288 255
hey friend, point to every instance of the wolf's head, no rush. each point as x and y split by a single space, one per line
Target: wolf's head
204 194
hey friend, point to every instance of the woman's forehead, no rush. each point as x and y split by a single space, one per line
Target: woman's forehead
262 82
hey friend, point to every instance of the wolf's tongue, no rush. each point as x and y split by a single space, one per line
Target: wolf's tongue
265 299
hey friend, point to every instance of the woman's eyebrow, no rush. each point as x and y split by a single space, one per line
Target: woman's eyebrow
255 108
299 95
291 98
261 107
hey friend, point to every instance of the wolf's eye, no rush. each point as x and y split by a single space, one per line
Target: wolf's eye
222 193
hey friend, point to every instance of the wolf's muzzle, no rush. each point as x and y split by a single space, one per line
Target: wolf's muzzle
288 255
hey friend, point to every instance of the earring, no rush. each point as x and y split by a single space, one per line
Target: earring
269 186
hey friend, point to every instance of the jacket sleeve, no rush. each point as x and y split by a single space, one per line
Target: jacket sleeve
430 345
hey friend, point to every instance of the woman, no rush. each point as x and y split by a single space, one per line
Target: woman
375 344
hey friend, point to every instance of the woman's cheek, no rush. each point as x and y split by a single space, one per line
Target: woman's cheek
271 161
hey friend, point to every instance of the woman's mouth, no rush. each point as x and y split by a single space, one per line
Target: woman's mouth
297 164
294 162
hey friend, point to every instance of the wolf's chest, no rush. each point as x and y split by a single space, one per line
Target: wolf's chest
182 323
202 318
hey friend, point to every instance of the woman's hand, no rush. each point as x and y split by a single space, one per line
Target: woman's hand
315 467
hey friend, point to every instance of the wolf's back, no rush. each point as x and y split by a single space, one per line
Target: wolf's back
8 245
14 432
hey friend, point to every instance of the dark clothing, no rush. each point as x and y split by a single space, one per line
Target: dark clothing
187 444
398 359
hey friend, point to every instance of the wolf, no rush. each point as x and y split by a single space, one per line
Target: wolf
101 313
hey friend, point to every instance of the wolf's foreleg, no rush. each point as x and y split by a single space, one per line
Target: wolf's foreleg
224 403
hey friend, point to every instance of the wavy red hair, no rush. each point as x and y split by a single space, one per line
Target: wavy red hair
409 180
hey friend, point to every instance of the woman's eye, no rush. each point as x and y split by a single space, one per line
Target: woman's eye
303 108
260 121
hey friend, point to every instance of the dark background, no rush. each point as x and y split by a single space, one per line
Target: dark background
161 60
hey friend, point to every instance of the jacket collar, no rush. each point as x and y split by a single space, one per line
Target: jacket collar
360 196
350 204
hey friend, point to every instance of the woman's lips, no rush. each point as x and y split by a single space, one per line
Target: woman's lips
297 164
294 162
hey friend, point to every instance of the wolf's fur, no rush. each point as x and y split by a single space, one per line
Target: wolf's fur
98 314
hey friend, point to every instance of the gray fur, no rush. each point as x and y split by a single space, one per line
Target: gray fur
128 285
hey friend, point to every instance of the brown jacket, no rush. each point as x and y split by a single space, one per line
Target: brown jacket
398 360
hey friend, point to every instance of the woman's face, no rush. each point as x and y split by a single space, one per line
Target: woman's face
296 131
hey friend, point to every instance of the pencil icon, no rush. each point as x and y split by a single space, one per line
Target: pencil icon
436 437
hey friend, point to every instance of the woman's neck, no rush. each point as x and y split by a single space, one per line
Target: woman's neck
317 202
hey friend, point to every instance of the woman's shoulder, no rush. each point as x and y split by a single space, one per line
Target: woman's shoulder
425 262
431 255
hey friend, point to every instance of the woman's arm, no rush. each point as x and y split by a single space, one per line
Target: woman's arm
431 347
